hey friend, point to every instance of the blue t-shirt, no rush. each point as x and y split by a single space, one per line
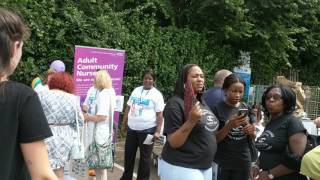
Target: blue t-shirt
213 96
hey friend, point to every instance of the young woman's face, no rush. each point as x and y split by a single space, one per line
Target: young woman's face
196 77
147 81
234 93
274 101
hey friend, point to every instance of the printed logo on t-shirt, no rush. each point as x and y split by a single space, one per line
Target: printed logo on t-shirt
138 105
141 101
237 133
210 120
261 142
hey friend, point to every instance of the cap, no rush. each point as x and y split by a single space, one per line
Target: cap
58 66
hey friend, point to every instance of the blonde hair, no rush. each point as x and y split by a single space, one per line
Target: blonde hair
102 80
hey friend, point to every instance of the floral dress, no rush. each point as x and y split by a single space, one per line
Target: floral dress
61 109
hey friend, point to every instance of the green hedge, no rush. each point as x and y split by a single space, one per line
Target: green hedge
56 26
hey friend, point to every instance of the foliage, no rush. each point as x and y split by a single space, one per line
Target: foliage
56 26
166 35
281 35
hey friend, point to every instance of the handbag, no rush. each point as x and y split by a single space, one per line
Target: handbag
77 149
100 156
77 169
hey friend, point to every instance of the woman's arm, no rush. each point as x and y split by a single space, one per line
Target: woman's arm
125 119
159 121
297 143
36 158
179 137
94 118
234 122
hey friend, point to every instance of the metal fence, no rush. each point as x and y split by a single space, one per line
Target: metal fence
311 104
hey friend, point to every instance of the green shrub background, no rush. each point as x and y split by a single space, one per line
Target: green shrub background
166 35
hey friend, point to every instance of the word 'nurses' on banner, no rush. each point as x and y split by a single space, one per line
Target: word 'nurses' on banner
88 60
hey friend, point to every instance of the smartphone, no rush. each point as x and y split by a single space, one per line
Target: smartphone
242 112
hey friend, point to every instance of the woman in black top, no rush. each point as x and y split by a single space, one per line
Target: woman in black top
190 130
235 130
23 123
283 140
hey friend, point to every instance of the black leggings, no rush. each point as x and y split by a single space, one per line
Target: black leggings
233 174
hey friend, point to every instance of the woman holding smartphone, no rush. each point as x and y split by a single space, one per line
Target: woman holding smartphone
191 128
233 154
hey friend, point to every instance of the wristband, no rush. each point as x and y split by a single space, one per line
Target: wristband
270 176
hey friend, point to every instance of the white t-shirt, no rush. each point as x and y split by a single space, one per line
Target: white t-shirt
144 104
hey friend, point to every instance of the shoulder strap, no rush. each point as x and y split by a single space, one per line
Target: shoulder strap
79 136
111 113
95 95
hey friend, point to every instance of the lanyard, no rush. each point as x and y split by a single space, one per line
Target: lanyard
145 94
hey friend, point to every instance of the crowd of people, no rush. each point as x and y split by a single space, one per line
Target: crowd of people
209 133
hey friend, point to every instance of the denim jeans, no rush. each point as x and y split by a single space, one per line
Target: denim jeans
168 171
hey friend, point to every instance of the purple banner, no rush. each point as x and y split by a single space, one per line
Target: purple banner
87 60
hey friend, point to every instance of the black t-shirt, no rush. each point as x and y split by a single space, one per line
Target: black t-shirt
274 140
200 147
233 151
22 121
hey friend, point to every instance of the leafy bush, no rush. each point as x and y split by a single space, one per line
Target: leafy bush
165 36
56 26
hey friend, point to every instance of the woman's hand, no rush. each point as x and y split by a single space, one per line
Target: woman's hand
233 122
249 129
156 136
254 172
263 175
86 116
236 121
195 113
85 108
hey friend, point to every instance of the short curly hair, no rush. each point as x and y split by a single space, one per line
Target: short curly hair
62 81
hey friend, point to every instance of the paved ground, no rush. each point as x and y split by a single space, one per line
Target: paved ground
117 171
